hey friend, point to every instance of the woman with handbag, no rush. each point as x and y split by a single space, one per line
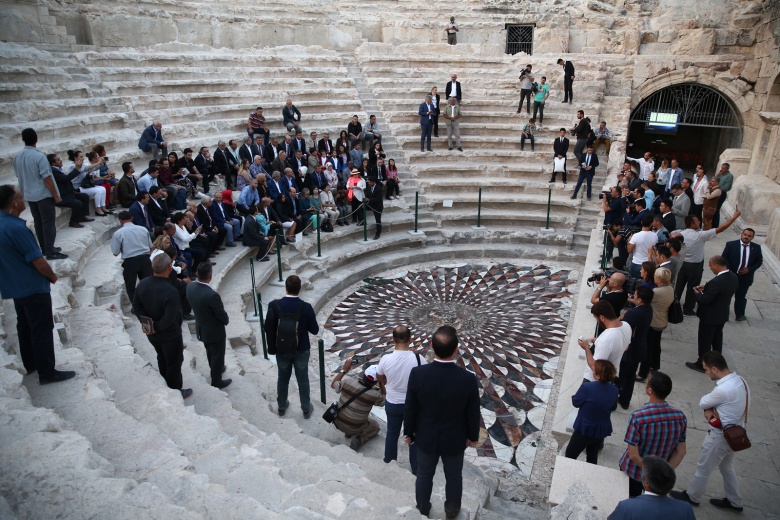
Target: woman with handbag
83 182
663 298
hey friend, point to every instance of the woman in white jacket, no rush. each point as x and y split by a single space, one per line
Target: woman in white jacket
98 193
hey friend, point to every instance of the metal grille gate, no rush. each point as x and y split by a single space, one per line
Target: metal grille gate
696 105
519 38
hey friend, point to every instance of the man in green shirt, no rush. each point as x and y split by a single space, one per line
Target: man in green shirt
725 182
542 93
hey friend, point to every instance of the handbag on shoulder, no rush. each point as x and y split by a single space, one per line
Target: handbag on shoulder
675 313
735 434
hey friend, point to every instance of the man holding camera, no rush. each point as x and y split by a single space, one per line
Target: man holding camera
614 295
526 88
354 420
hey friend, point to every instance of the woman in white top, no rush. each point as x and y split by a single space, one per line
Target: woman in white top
329 205
98 193
662 175
331 176
355 187
182 239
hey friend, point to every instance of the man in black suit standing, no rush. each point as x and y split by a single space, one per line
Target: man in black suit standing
225 164
588 163
560 149
568 80
743 258
442 418
714 300
453 88
299 359
210 322
375 203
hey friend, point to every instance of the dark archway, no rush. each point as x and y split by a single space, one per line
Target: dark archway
690 122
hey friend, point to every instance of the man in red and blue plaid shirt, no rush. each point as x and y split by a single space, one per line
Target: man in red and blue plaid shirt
655 429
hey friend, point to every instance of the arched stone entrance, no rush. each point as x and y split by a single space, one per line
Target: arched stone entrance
688 121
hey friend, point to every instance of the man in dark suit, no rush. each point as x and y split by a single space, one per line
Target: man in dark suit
296 162
299 145
291 116
225 164
291 304
153 141
70 198
714 300
658 479
280 163
426 113
588 163
271 150
453 88
206 220
205 165
669 220
286 146
568 80
375 203
210 322
743 258
325 145
246 152
157 299
560 149
139 211
442 418
157 207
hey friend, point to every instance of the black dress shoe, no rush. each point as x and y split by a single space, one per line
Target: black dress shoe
85 219
689 313
307 413
56 256
188 317
222 384
265 259
56 249
186 392
224 368
573 197
56 376
724 503
75 225
695 366
683 495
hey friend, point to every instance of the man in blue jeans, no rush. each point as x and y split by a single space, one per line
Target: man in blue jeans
298 360
25 276
393 372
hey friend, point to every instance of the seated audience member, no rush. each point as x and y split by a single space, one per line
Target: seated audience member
355 420
245 151
205 165
355 132
152 177
356 154
372 133
291 116
244 176
342 205
222 219
528 133
256 125
595 400
127 188
184 239
280 163
101 175
140 211
314 160
603 136
184 258
83 183
191 171
312 142
207 221
255 237
158 207
329 205
164 178
152 140
343 140
331 176
289 223
325 145
658 480
185 179
257 168
275 228
299 145
77 202
248 197
276 186
316 203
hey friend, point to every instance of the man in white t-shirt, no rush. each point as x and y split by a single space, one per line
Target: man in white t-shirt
393 373
640 243
610 344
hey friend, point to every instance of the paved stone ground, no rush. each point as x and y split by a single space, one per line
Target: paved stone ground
751 349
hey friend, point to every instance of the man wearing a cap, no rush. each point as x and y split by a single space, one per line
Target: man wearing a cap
354 420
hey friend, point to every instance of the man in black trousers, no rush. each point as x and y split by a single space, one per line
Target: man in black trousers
133 243
442 418
568 80
714 300
157 300
210 322
375 203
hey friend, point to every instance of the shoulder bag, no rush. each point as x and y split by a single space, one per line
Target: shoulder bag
333 410
675 313
735 434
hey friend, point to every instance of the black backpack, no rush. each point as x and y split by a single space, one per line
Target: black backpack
534 87
287 329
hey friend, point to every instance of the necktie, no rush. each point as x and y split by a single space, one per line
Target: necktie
587 160
146 217
743 263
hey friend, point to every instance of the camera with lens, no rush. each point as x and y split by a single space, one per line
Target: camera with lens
597 277
605 195
523 72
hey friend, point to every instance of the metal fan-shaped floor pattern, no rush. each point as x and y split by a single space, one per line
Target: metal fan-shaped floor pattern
511 323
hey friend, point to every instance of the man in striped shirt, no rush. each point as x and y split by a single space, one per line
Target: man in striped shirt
655 429
354 420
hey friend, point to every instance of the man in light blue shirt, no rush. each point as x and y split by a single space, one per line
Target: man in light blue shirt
149 179
40 191
134 244
248 197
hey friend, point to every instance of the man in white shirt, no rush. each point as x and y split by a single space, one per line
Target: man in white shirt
526 89
728 402
393 374
640 243
698 187
646 165
610 344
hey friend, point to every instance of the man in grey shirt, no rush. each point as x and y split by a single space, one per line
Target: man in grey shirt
133 243
370 135
526 89
40 191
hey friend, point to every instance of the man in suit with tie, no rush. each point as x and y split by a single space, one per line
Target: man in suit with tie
658 479
209 226
453 88
588 163
568 80
714 299
299 145
743 258
286 146
442 418
325 145
681 206
158 207
426 122
246 152
225 164
223 220
292 116
280 163
375 203
210 322
140 213
560 149
271 150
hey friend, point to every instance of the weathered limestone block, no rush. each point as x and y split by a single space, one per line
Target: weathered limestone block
757 198
551 40
648 69
649 37
773 233
667 36
596 487
738 159
746 21
696 42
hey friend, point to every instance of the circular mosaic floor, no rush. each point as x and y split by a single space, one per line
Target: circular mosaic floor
511 323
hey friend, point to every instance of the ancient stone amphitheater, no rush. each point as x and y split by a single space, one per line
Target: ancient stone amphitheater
470 240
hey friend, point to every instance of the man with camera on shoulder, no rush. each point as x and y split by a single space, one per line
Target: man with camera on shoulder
358 396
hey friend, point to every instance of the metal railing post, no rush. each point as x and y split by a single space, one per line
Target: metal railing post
365 223
259 300
319 246
416 204
604 252
321 345
279 253
479 208
549 199
254 287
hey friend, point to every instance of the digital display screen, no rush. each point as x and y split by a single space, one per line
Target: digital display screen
662 121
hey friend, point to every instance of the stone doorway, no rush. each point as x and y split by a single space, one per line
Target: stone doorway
691 122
